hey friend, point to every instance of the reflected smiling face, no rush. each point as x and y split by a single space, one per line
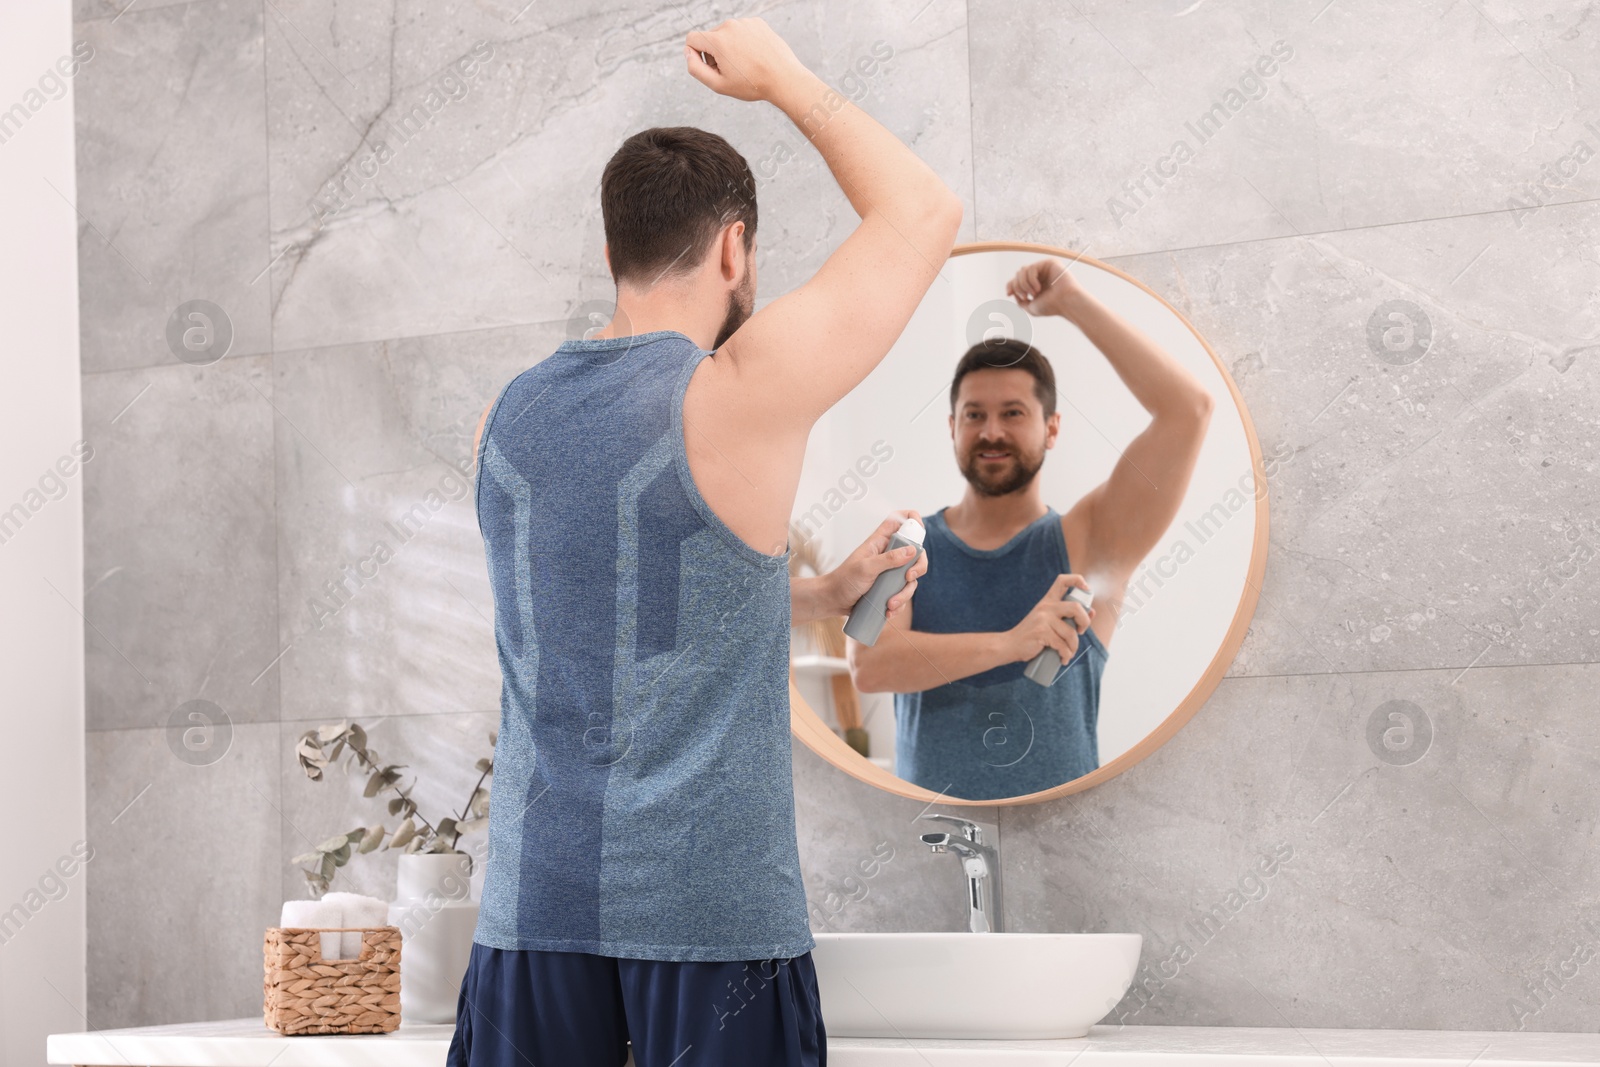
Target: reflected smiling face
999 430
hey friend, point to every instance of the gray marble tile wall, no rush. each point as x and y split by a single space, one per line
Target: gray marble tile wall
388 240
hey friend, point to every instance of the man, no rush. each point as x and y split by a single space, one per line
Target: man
634 492
967 721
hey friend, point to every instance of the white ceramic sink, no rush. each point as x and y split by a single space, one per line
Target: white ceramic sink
1005 985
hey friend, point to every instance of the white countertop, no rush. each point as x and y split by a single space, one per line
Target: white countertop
248 1043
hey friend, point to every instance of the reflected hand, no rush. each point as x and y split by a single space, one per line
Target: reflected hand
1046 287
851 579
1052 623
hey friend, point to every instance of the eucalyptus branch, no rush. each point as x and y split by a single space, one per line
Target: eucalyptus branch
326 744
487 766
386 783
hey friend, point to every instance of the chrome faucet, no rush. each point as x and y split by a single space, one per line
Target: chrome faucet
981 863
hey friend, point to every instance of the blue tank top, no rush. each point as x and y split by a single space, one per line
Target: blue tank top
643 805
995 733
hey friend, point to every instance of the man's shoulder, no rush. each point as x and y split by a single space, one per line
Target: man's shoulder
720 393
1075 528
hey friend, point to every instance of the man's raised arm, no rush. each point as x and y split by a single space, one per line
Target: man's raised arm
805 350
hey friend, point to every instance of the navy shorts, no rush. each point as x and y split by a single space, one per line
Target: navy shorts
532 1008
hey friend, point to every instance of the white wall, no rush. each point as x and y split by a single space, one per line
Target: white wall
42 987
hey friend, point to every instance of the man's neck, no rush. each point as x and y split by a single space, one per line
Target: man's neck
997 519
664 308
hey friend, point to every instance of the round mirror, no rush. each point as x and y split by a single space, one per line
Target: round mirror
1153 497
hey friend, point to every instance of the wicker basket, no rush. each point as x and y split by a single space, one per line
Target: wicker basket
306 994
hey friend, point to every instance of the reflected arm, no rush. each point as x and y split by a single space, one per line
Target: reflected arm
477 438
1127 514
908 661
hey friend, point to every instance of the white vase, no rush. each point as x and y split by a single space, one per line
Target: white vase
437 917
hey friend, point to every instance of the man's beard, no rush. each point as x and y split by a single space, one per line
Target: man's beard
740 303
1008 477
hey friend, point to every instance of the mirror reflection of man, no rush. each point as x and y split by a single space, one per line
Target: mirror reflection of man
967 722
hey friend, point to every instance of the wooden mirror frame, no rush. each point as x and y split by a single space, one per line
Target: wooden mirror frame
809 727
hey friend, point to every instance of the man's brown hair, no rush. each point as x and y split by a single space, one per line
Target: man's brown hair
664 195
1005 353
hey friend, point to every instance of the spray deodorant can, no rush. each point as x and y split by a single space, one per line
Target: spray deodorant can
1042 668
868 616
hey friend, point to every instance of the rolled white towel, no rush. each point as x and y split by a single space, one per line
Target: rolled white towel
356 910
314 914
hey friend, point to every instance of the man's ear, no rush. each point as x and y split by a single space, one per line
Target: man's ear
732 250
605 250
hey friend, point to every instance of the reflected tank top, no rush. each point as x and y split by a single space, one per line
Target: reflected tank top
995 733
642 803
